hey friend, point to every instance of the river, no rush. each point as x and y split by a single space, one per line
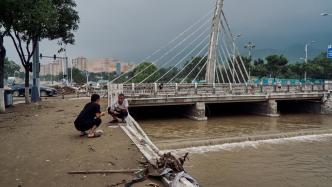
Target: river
289 160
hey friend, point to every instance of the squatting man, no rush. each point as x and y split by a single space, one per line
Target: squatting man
119 109
89 118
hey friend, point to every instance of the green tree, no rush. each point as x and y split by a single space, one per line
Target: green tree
79 77
29 21
259 68
193 69
171 72
10 68
275 63
144 70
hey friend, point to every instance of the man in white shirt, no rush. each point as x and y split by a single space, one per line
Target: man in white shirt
119 109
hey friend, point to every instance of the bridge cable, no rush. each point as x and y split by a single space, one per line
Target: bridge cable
227 62
202 58
169 51
184 67
181 61
217 74
182 58
186 56
165 46
224 62
233 60
178 62
200 71
219 67
230 57
237 50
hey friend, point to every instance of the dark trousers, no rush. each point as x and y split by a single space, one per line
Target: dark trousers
86 125
121 114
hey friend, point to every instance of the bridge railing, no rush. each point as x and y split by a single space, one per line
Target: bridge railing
174 89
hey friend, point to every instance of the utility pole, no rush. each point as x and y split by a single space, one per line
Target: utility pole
250 46
306 58
35 90
71 73
212 54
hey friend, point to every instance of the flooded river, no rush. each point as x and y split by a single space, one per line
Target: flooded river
296 160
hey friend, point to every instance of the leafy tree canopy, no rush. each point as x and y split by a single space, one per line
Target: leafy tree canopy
10 68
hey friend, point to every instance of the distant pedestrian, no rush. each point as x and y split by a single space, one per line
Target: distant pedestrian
119 109
89 118
161 86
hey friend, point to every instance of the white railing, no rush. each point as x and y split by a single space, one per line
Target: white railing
159 90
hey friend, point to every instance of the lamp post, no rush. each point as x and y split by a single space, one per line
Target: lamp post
234 55
326 13
250 46
306 57
71 73
87 81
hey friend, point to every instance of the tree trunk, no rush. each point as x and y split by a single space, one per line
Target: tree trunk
27 86
2 64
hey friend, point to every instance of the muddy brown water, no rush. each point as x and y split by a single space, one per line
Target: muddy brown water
304 160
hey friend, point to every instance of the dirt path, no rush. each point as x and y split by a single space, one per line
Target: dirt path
39 145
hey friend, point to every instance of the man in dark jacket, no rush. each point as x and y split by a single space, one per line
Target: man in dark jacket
89 118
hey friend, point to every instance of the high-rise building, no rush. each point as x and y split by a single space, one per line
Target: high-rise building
54 68
84 64
80 63
107 65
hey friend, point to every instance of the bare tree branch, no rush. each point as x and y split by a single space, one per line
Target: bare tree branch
34 44
17 49
20 47
27 46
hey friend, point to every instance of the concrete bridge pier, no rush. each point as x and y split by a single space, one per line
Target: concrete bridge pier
326 106
266 108
197 111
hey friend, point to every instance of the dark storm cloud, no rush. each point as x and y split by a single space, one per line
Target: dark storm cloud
132 29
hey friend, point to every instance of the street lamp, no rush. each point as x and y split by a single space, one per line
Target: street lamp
234 55
325 14
87 81
306 57
250 46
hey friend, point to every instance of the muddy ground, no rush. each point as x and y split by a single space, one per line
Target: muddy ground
39 145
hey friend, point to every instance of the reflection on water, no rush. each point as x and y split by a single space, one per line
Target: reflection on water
307 162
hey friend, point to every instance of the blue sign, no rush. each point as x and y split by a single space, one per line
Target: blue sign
329 51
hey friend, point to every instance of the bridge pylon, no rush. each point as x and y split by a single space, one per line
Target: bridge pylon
212 54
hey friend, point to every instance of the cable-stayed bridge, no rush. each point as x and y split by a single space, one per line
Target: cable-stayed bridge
203 65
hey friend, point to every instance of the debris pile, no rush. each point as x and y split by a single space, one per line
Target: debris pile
66 90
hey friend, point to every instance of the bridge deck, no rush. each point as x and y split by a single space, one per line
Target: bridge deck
184 94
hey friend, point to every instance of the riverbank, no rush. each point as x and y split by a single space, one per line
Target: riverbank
39 145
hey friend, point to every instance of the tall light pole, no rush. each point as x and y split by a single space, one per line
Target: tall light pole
250 46
306 57
234 55
326 13
35 90
71 73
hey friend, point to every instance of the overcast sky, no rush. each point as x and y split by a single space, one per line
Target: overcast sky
129 30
